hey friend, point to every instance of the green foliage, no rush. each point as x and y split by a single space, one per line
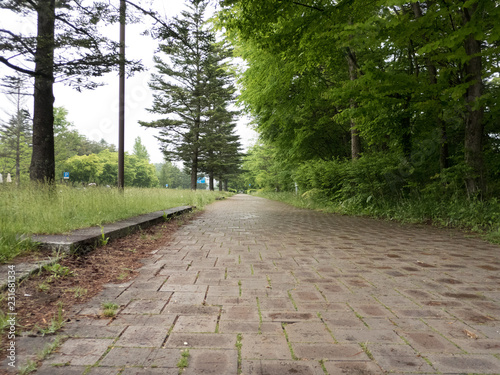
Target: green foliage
102 169
55 324
109 309
193 88
41 209
169 174
183 361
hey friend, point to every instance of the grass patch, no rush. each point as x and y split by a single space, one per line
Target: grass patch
38 209
183 361
109 309
56 323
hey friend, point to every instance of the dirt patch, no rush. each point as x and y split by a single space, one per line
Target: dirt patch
39 297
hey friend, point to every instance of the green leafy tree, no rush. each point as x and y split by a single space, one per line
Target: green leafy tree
169 174
67 47
15 145
182 88
140 150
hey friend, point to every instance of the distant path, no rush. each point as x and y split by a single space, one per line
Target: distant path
260 287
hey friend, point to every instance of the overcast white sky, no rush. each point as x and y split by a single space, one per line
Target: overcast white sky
95 112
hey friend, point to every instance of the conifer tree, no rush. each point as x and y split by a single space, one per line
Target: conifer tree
192 91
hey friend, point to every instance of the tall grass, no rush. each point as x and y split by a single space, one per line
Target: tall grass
39 209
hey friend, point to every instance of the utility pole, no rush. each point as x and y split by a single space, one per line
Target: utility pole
121 105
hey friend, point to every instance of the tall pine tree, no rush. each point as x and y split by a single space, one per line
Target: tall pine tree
192 91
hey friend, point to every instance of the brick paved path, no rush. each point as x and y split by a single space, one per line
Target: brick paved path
258 287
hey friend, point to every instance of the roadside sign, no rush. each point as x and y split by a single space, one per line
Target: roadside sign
201 180
66 175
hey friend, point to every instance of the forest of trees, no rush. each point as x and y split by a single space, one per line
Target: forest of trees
87 161
357 100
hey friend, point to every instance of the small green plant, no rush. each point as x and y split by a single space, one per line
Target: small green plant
238 345
56 323
49 348
29 367
44 287
109 309
57 270
183 361
78 291
239 286
103 240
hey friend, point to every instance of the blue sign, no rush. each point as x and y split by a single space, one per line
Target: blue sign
166 185
66 175
201 180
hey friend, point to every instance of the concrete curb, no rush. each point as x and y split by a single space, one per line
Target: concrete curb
83 240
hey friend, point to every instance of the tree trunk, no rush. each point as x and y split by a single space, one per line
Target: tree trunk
353 75
474 127
225 184
42 167
194 171
211 181
220 183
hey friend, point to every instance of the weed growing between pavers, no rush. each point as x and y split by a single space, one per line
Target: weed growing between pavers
260 315
320 292
358 315
239 287
327 328
323 367
109 309
183 361
293 302
364 346
294 357
239 339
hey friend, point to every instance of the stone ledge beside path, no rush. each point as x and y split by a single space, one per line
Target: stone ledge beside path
81 240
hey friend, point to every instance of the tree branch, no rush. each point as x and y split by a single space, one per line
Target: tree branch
5 61
309 6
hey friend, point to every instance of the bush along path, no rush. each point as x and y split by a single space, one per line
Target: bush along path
252 286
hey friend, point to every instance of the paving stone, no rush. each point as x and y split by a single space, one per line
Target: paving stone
80 352
459 364
145 306
349 352
385 336
163 320
164 358
273 367
102 371
308 332
353 368
201 340
143 336
93 331
426 342
119 357
47 369
205 324
265 346
398 358
150 371
216 362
